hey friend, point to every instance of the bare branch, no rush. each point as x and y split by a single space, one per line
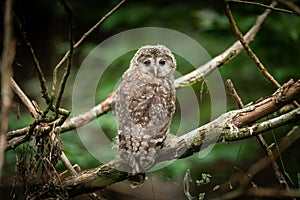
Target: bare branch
24 98
69 63
261 5
261 139
291 6
36 115
234 94
89 32
36 63
7 58
246 46
257 167
218 61
20 136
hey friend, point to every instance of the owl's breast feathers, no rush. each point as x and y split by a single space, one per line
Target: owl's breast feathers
144 112
151 103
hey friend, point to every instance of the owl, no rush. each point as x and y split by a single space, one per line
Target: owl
144 106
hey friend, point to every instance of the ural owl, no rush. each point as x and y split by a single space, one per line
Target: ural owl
144 106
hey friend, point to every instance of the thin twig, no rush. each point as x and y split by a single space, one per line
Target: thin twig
66 56
234 94
275 165
89 32
261 5
24 98
63 156
257 167
7 58
246 45
36 63
260 138
69 63
200 73
291 5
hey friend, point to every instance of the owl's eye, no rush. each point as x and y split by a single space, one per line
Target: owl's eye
162 62
147 62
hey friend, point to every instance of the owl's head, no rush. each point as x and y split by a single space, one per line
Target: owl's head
155 61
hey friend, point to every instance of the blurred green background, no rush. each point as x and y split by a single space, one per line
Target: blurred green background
277 45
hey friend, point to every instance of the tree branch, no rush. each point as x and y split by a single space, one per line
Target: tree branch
268 105
220 60
221 129
69 63
88 33
246 45
261 5
260 165
291 5
7 58
36 63
260 138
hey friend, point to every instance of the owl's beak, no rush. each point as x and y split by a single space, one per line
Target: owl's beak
155 71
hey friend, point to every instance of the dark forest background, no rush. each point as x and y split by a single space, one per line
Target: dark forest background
277 45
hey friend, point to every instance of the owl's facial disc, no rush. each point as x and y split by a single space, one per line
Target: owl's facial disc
157 67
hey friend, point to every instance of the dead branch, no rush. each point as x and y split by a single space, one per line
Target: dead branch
26 101
22 134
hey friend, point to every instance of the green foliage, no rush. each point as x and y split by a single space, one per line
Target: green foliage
205 179
201 196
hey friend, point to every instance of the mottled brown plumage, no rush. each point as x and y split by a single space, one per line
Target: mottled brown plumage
144 106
